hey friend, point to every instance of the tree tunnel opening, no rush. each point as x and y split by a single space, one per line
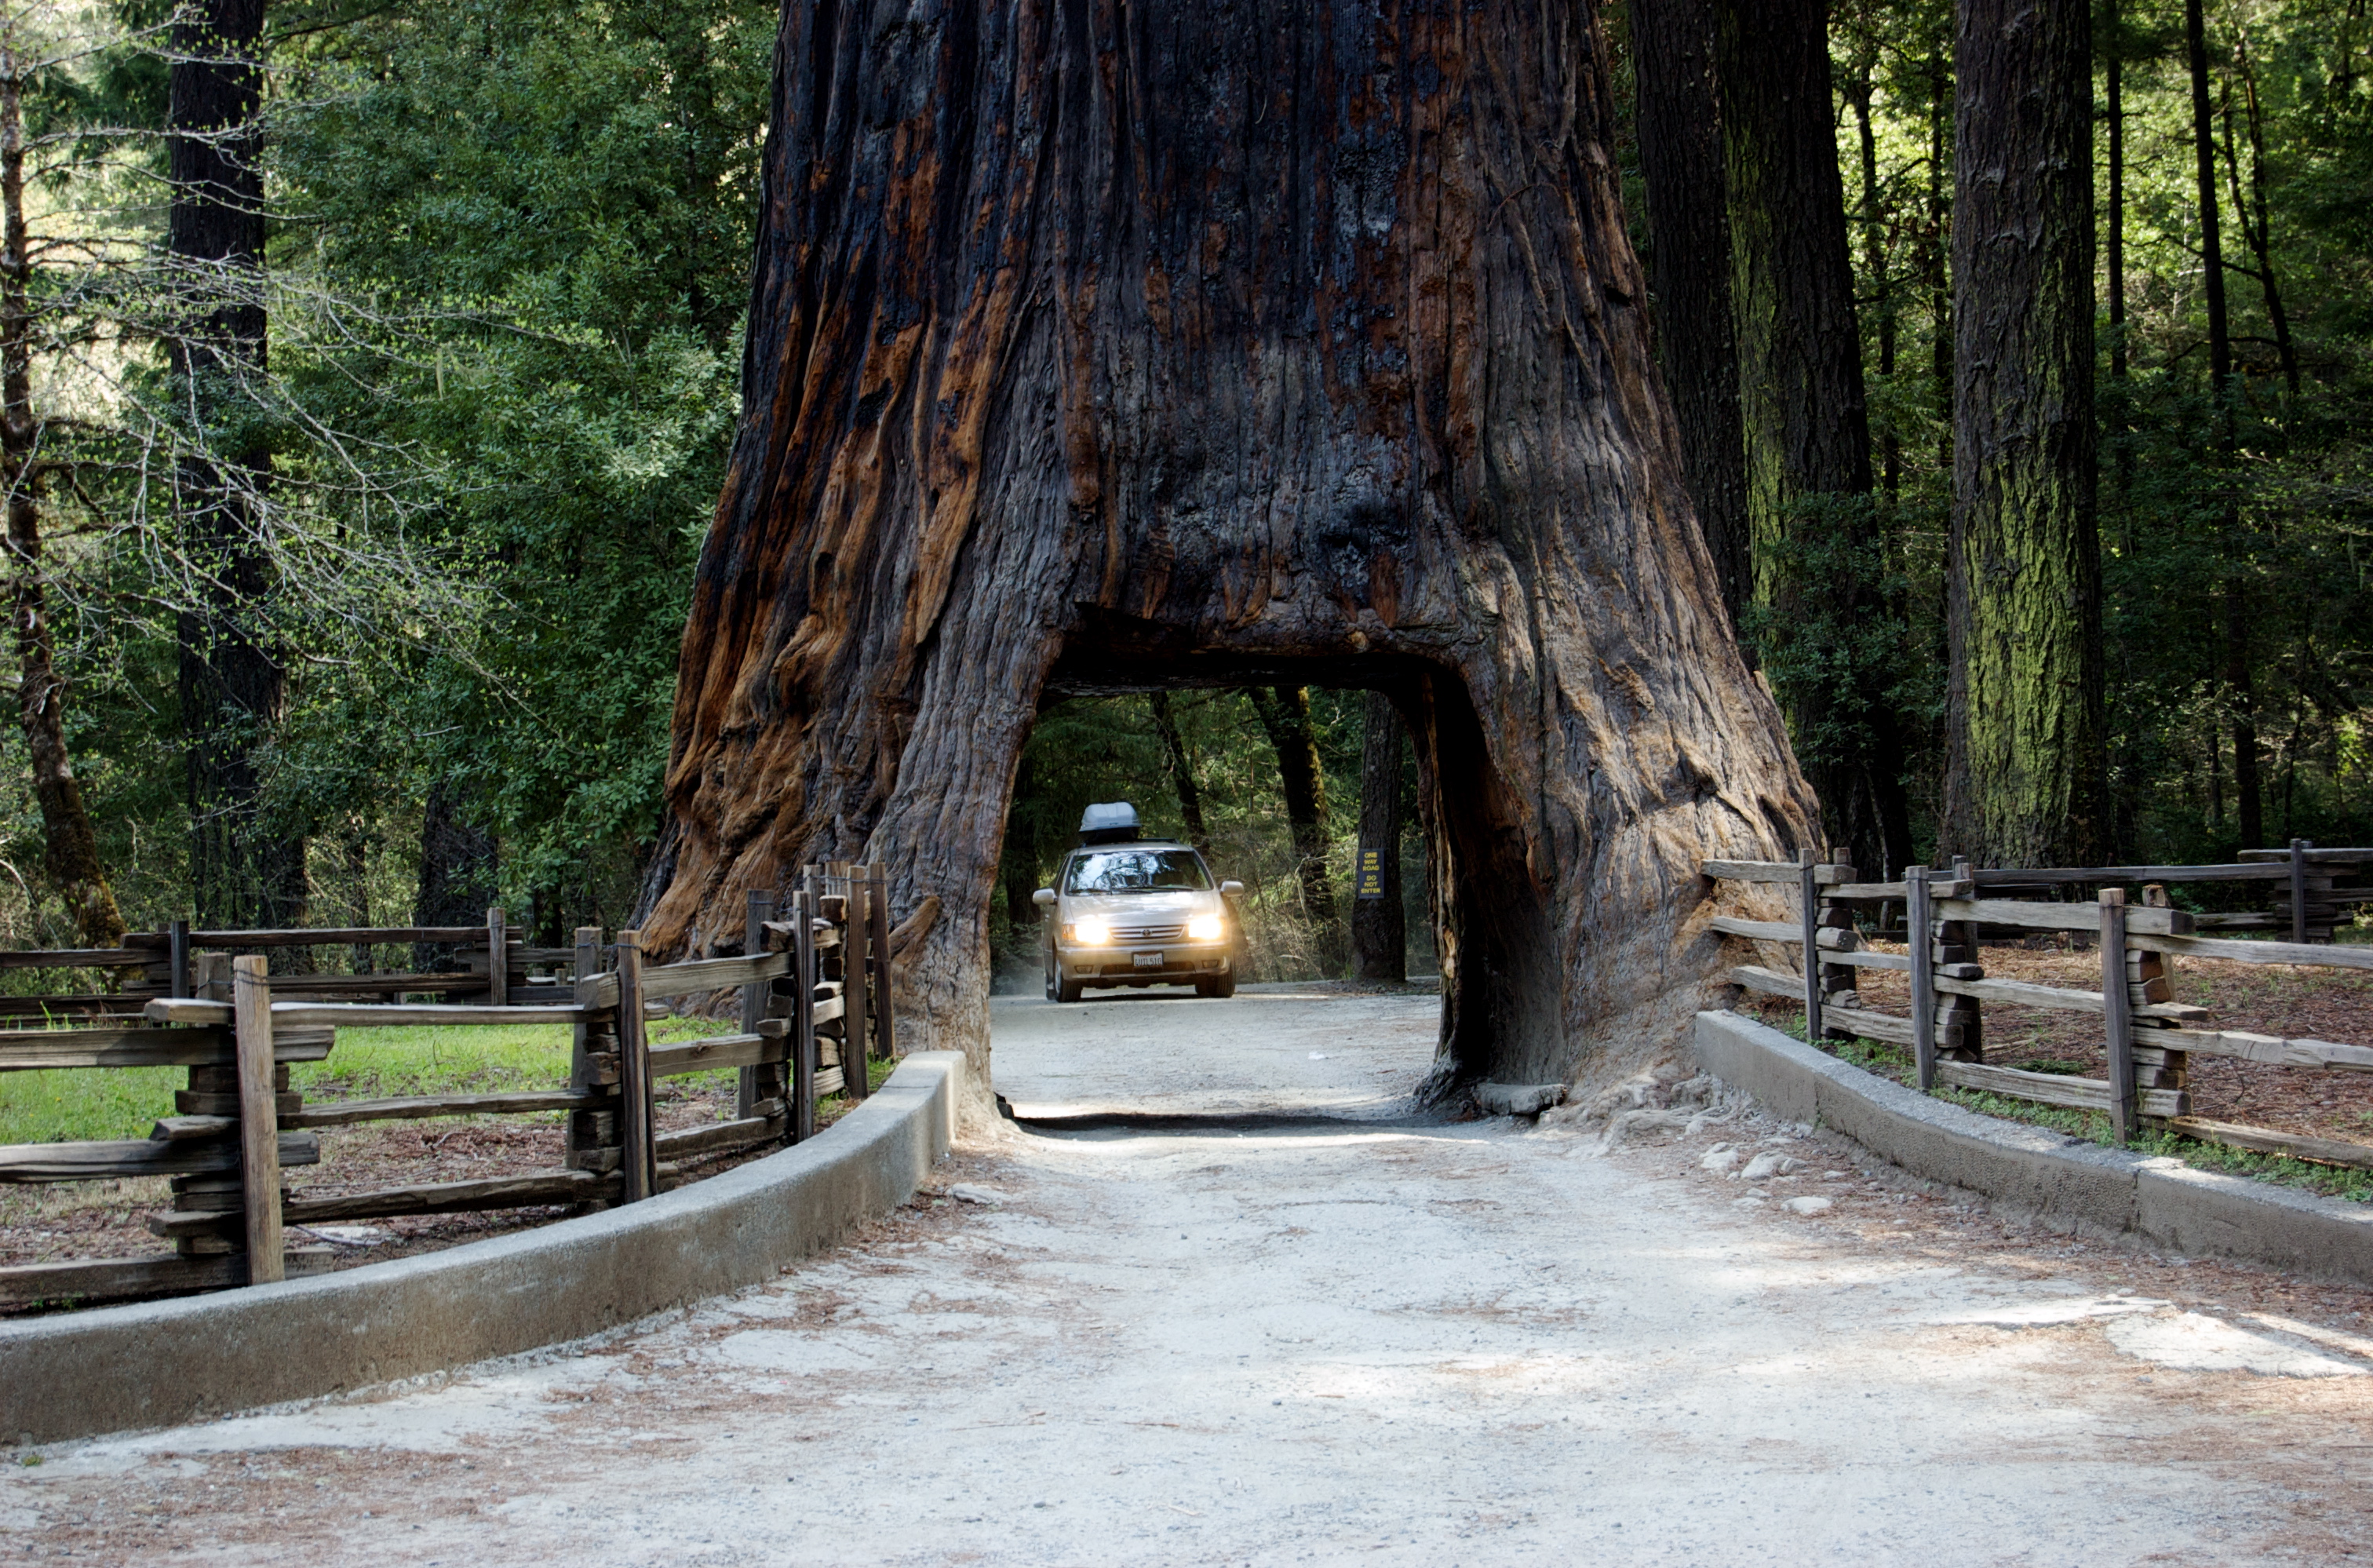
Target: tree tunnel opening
1473 915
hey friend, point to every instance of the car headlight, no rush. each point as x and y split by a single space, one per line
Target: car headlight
1204 927
1092 934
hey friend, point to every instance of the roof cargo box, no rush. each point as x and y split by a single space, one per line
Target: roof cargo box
1115 822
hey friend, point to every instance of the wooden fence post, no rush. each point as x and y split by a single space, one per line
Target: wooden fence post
758 908
1919 907
1808 882
2298 890
637 1161
877 920
2117 1008
176 946
855 969
258 1118
499 958
803 1033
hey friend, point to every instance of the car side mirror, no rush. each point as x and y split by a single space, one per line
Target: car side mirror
1231 890
1044 898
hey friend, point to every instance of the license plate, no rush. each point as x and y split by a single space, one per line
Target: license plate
1146 960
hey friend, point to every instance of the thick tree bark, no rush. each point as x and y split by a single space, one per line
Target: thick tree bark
2027 770
1808 478
1182 773
1379 929
1679 117
233 692
1285 718
69 844
1117 349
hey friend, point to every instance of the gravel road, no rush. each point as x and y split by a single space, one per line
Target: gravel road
1219 1297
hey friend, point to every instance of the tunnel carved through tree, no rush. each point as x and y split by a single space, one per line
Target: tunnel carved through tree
1105 348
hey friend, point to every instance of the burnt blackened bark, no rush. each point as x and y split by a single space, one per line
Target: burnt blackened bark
2027 769
1379 930
1808 478
244 871
1115 348
1679 117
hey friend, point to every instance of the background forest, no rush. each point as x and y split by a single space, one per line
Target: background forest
356 474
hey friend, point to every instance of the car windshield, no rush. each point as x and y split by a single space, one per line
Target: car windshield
1137 871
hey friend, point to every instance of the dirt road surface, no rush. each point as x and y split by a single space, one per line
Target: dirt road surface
1219 1297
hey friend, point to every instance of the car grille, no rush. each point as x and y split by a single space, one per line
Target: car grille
1147 934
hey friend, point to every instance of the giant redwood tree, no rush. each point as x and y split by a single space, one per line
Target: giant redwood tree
1098 348
2025 780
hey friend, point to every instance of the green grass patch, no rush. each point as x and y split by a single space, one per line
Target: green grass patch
367 1064
1895 1062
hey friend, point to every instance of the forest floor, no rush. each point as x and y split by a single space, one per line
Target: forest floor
1219 1297
2322 1004
109 1219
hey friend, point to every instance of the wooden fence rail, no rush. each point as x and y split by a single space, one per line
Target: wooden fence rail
2148 1037
813 1009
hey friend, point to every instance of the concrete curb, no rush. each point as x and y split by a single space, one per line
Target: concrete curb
2056 1179
158 1364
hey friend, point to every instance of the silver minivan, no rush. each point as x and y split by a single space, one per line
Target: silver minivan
1125 912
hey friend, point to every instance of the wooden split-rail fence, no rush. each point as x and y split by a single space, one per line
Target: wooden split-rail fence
814 983
2149 1038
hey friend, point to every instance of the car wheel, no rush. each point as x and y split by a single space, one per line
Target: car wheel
1222 985
1066 988
1050 975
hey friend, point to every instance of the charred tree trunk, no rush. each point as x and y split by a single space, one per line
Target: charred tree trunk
2027 770
244 871
1285 718
1128 349
1681 158
1801 398
1379 931
1182 773
69 845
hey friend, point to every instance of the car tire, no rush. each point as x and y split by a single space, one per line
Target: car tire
1050 976
1218 985
1066 988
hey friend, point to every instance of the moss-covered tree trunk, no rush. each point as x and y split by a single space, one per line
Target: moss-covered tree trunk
69 842
1100 349
2026 780
1807 429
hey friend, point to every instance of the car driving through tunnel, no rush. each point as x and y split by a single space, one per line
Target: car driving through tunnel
1125 912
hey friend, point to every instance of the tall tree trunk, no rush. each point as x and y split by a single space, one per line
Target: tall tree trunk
1379 929
2257 226
2113 76
1679 117
1099 350
1937 246
1285 716
458 863
233 691
1801 398
1182 773
2226 398
2027 772
1874 265
69 844
1020 851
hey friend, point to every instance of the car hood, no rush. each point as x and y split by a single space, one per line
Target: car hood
1137 909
